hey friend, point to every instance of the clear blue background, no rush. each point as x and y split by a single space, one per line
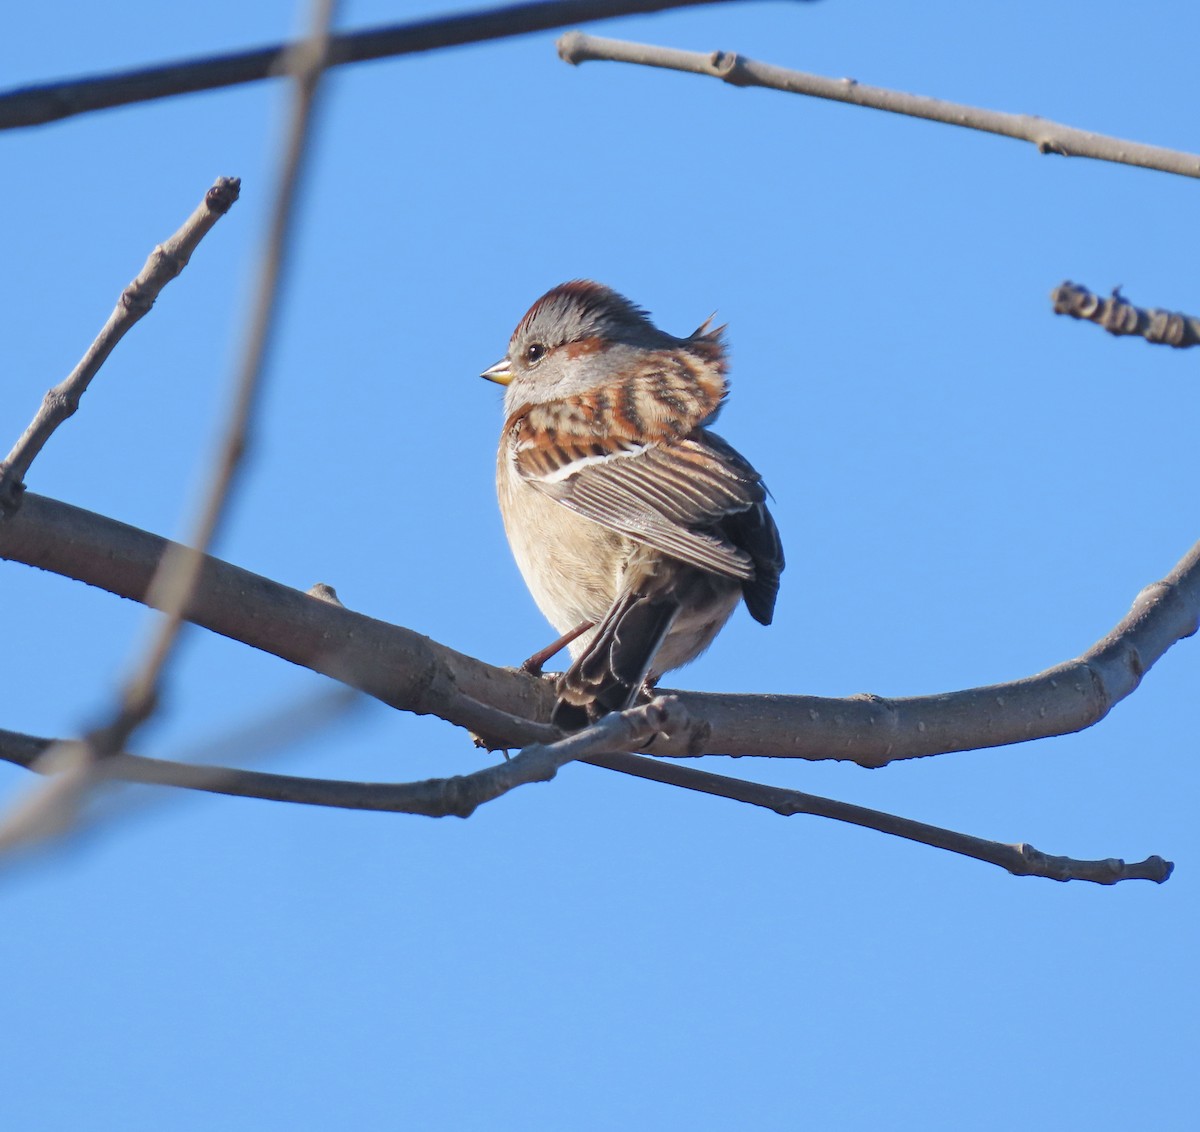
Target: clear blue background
969 489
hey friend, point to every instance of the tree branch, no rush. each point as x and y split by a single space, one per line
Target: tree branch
449 794
165 262
457 796
1020 859
510 709
1049 137
49 102
395 665
1120 317
178 571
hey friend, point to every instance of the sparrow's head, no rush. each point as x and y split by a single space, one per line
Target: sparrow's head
576 337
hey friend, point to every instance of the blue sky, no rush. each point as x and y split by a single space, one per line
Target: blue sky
969 490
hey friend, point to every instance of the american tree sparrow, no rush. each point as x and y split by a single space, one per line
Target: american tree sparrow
636 528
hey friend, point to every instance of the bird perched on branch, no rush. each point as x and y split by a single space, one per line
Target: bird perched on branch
637 530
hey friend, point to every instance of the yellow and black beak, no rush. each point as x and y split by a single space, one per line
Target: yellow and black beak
501 373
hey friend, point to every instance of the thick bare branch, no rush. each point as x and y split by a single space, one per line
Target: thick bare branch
164 263
1119 316
1020 859
395 665
1049 137
1072 696
508 708
34 105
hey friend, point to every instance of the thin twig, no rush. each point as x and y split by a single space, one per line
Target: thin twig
60 809
165 262
178 573
456 796
1120 317
48 102
1020 859
1049 137
409 671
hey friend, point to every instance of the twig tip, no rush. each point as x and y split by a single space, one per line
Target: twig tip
221 196
568 45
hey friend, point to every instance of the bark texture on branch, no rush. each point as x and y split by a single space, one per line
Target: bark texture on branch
508 708
1120 317
460 794
1050 137
165 262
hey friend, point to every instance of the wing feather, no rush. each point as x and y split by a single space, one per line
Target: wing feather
674 497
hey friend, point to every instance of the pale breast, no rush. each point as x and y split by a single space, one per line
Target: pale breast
571 565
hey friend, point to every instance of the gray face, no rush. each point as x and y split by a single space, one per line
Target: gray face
573 338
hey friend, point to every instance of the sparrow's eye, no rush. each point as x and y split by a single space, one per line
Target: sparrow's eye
534 353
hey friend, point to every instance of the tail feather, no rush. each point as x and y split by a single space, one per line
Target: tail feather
608 674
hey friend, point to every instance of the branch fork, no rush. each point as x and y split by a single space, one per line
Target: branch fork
416 674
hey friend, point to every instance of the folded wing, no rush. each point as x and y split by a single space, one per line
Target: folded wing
695 499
